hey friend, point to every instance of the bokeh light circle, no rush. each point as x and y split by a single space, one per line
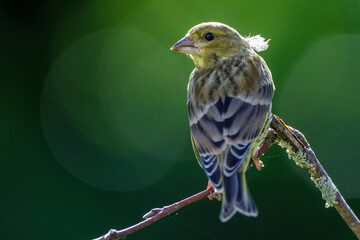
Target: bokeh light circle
114 109
321 98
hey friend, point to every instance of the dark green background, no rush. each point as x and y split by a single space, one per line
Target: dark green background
94 129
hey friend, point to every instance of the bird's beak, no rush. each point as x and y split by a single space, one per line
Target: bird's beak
186 45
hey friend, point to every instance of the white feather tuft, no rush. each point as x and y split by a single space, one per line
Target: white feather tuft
258 43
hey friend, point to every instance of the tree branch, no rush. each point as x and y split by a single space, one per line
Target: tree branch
298 149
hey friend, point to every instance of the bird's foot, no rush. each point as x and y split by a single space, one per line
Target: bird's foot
258 163
213 194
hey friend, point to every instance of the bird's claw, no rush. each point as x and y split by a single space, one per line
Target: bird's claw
213 194
258 163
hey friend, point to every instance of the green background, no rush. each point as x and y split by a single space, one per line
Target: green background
94 129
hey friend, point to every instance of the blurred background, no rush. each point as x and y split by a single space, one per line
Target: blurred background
94 129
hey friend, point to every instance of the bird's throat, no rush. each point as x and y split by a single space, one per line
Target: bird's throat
199 62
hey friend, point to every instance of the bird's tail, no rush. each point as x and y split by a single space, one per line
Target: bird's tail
237 197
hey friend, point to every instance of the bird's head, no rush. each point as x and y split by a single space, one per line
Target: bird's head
207 42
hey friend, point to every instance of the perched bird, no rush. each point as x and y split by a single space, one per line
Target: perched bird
229 107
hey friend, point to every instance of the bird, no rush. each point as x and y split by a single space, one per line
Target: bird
229 99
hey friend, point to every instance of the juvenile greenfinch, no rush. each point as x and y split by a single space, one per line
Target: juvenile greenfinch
229 108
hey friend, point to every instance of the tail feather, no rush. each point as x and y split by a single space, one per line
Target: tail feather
237 197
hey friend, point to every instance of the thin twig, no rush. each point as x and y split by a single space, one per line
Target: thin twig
268 142
155 215
298 149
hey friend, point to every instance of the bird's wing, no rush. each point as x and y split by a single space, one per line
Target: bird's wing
243 122
208 143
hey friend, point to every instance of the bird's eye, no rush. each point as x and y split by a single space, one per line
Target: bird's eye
209 36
